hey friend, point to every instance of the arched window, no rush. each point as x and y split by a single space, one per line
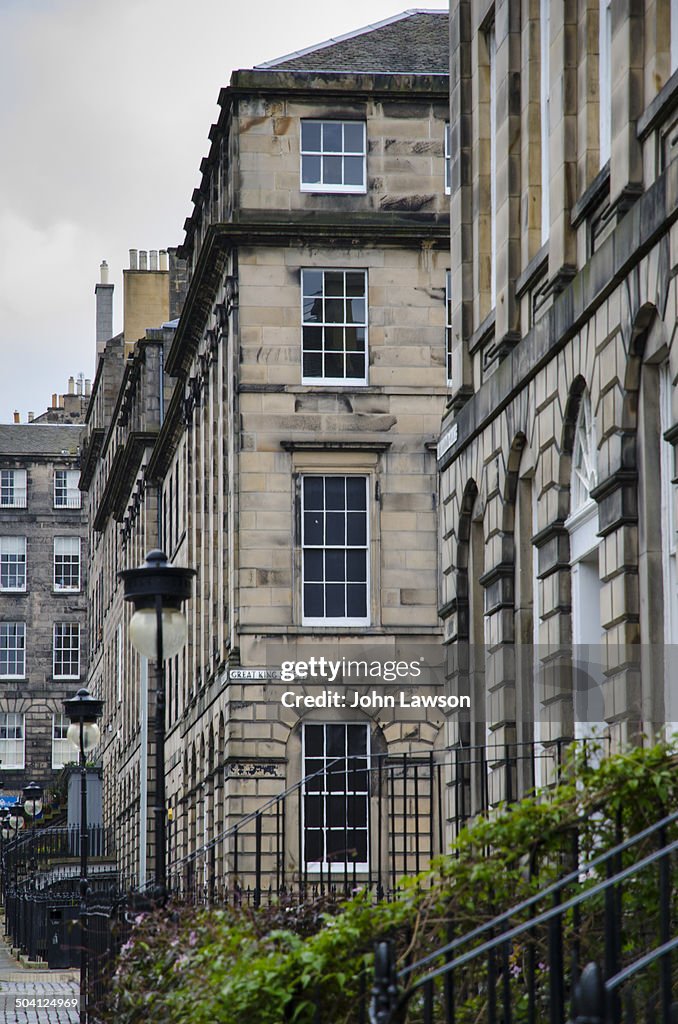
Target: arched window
584 472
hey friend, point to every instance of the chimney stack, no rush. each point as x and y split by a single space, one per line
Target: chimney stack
17 416
104 308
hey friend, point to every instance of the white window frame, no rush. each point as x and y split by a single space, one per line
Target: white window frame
340 866
605 80
492 61
16 557
448 159
67 493
12 721
317 620
545 114
13 480
325 381
59 648
20 636
321 152
63 555
448 328
63 751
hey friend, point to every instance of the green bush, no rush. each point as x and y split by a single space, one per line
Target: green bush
273 965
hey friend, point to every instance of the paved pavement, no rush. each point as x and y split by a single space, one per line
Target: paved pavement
45 989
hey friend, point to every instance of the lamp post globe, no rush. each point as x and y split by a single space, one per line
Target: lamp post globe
158 630
32 799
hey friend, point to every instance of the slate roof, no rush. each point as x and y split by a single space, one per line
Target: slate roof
414 42
35 439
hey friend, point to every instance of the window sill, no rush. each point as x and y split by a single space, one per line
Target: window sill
338 190
597 192
482 333
534 271
16 592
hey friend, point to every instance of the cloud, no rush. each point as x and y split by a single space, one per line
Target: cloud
104 118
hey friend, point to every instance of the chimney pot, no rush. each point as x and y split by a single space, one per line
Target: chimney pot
17 416
104 272
164 262
153 258
30 417
88 387
132 259
71 385
143 259
54 400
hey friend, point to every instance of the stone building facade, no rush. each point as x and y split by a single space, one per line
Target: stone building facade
43 607
130 394
557 457
296 465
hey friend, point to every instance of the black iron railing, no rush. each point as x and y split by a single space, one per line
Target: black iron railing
479 963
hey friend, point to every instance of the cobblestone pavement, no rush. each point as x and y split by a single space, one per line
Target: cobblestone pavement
17 982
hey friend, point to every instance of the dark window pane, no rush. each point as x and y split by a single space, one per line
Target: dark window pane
356 813
356 311
355 366
334 365
313 364
336 811
313 741
313 282
356 528
313 492
353 170
312 767
334 311
355 283
357 775
354 137
335 601
310 170
336 844
336 744
335 492
334 566
357 601
332 170
310 135
313 310
356 567
313 845
334 282
356 739
334 339
313 338
313 566
313 808
359 843
335 528
313 601
353 343
313 528
332 142
356 493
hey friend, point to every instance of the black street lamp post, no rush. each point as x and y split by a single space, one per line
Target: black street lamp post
83 710
158 630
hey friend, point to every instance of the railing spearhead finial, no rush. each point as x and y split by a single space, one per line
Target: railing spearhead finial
588 1005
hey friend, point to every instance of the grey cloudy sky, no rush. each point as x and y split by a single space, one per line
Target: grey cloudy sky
104 115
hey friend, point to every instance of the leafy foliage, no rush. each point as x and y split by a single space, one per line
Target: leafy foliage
276 964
